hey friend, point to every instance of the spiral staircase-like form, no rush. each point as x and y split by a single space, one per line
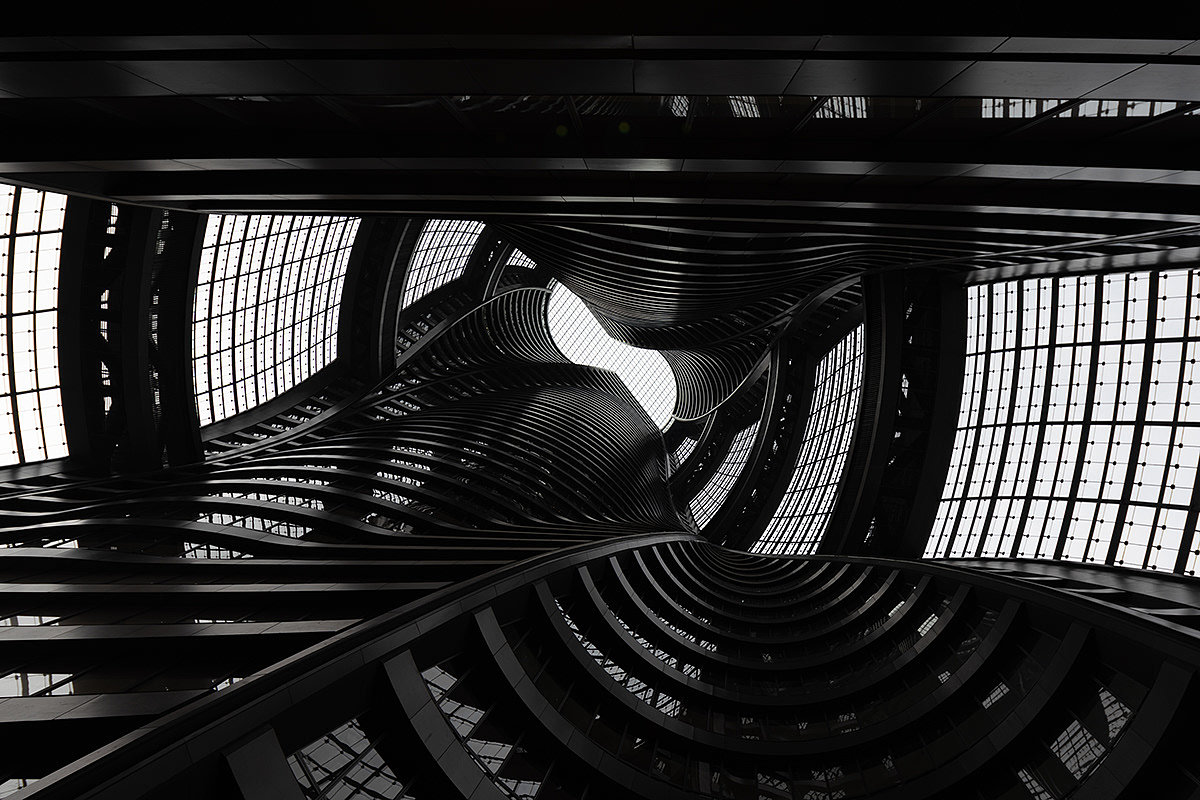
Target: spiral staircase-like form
661 666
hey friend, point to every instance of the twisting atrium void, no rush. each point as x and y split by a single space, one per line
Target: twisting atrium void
581 338
433 417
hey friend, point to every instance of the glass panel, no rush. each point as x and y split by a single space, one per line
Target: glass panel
682 452
344 765
31 422
266 309
1076 434
582 339
799 522
708 500
440 256
1028 107
843 108
744 106
518 259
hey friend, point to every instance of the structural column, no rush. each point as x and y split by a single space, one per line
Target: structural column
126 283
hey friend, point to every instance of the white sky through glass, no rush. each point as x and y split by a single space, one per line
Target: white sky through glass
582 339
1079 428
266 308
31 420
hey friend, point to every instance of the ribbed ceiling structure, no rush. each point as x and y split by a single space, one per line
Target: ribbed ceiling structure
453 563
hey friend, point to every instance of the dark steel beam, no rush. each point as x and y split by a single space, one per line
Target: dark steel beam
107 369
138 447
1049 113
941 421
371 295
883 311
79 366
1184 109
176 266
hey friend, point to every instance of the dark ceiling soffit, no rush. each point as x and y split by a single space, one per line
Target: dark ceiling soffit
622 65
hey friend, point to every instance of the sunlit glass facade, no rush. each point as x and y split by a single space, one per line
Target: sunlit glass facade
518 259
31 417
799 523
708 501
683 452
582 339
266 308
1079 431
440 256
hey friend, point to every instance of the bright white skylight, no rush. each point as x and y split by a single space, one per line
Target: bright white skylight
744 106
519 259
581 338
31 422
266 308
843 108
440 256
711 497
799 522
1028 107
1079 430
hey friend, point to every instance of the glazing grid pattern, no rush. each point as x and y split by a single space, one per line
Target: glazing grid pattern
843 108
518 259
1078 437
708 500
798 525
1027 108
682 452
31 419
266 309
582 339
440 256
345 765
744 106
